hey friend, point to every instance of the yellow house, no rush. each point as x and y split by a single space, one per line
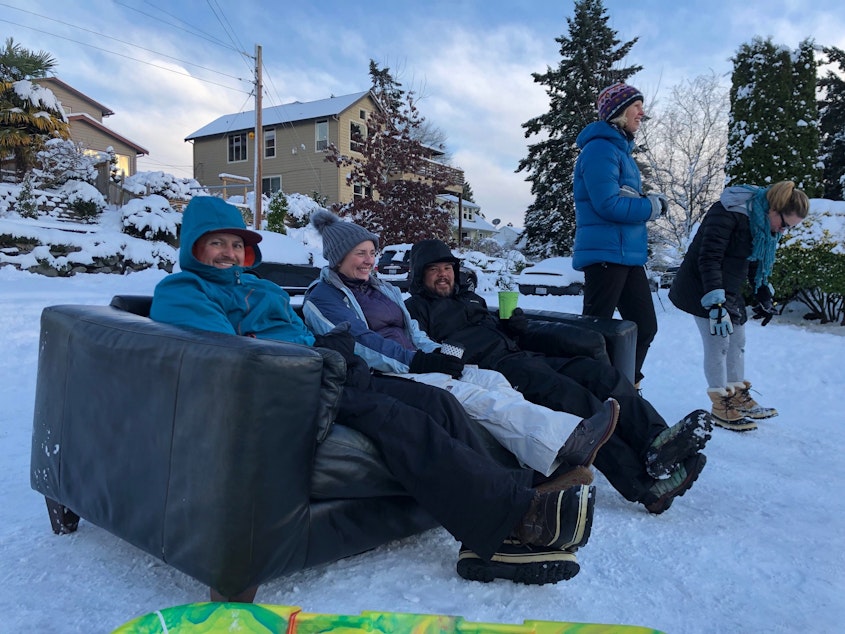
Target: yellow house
296 136
85 117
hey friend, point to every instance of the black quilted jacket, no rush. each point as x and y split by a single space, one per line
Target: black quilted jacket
717 258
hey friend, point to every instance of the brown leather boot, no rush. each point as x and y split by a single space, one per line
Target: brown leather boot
745 404
724 413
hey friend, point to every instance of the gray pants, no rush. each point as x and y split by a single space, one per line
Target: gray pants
724 357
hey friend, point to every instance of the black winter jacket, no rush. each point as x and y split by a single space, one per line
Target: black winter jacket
717 258
462 318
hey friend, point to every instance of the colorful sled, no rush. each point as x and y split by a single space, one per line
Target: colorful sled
250 618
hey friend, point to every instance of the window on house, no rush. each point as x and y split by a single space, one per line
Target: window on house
362 114
271 184
270 143
237 147
356 137
321 132
361 191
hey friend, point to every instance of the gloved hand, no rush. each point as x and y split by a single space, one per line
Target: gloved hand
720 321
517 324
436 362
659 205
765 307
338 339
716 296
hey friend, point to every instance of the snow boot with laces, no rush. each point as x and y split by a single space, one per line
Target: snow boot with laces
724 412
745 404
676 443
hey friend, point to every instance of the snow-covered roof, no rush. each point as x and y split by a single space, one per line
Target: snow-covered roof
286 113
466 204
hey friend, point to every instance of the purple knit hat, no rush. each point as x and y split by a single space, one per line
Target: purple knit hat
614 99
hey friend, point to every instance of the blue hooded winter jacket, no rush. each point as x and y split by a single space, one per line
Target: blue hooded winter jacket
609 227
232 300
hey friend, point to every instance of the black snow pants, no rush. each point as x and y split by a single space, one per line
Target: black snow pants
579 386
427 443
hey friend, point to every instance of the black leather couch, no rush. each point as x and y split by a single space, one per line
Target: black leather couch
217 454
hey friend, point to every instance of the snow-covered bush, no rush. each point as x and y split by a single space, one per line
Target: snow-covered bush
162 184
27 207
300 208
83 198
63 160
151 218
277 211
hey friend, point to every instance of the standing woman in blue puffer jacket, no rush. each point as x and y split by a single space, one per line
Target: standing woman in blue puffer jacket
611 211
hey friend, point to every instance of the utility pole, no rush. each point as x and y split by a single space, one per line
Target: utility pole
259 141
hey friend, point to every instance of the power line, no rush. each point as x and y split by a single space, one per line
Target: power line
44 17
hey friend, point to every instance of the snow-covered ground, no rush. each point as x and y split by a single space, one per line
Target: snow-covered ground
758 544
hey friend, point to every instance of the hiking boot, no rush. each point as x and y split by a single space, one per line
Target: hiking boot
558 519
663 492
521 563
673 444
565 477
589 436
745 404
724 411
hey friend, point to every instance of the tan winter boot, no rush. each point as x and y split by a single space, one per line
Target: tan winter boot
724 413
745 404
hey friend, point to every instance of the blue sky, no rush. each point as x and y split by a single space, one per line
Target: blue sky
168 70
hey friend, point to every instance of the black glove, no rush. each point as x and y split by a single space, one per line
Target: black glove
765 307
435 362
517 324
338 339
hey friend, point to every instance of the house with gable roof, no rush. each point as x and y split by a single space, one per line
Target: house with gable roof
85 116
296 136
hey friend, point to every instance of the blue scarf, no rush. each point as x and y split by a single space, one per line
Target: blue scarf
764 243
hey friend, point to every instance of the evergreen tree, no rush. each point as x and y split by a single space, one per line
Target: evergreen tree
397 182
588 56
832 125
773 125
467 193
29 114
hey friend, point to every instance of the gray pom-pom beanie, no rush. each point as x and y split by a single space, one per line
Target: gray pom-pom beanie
339 236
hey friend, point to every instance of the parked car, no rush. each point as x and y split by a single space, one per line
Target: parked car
294 278
286 262
394 264
552 276
668 276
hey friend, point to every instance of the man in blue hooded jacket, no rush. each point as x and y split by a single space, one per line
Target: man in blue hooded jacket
509 529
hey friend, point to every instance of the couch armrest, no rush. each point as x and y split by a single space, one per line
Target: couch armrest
193 446
619 337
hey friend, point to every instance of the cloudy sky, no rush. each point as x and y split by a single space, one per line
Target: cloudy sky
166 69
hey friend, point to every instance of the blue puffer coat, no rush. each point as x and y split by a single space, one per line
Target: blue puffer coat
608 227
232 300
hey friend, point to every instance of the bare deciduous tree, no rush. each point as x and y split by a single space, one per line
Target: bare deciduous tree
684 146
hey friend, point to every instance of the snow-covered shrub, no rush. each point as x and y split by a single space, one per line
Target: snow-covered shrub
27 207
162 184
151 218
277 210
300 208
63 160
83 198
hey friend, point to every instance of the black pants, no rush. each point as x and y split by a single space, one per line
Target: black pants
610 286
579 386
439 459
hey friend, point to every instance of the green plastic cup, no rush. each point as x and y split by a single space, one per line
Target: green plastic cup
507 302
